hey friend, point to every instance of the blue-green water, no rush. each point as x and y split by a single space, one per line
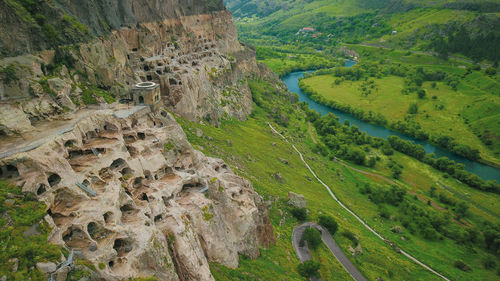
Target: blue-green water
483 171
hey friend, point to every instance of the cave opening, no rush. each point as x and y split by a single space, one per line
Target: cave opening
118 163
122 246
11 172
137 183
54 179
41 189
127 208
69 143
108 216
158 218
144 197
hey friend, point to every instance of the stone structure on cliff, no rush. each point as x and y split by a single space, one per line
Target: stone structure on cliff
122 185
192 51
147 93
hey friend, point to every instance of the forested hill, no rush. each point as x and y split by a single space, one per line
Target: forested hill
466 27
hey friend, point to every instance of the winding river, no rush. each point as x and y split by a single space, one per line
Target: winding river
483 171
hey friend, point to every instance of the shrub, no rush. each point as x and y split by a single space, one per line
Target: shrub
329 223
308 269
421 93
24 213
351 236
299 213
413 109
9 73
490 71
88 97
312 236
462 265
489 262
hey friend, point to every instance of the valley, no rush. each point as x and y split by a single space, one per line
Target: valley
249 140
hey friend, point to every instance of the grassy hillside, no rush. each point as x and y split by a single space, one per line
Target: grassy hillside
469 28
256 154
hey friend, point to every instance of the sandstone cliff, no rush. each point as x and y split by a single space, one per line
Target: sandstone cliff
189 47
132 194
122 184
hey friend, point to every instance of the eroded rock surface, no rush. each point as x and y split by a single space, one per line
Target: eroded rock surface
134 195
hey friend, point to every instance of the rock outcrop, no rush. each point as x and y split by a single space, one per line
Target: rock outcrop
124 187
190 48
132 194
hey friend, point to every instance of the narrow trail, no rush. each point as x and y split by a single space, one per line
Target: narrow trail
304 254
311 133
351 212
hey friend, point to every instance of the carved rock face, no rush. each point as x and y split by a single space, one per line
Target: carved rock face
164 210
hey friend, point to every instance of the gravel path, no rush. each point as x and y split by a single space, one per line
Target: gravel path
354 214
304 254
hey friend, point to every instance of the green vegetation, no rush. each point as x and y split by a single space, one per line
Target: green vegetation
57 27
285 59
21 212
448 119
168 146
207 214
299 213
90 92
312 237
329 223
308 268
416 178
8 73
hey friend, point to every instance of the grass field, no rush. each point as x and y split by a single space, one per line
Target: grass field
461 114
253 155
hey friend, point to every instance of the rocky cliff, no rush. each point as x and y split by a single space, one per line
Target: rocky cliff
131 193
190 48
122 184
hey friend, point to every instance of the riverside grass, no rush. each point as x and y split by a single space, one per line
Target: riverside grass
257 159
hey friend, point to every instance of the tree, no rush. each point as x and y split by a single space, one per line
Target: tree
299 213
308 269
357 156
490 71
329 223
413 109
312 236
421 93
461 210
396 171
432 191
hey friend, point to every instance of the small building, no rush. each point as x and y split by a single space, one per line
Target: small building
147 93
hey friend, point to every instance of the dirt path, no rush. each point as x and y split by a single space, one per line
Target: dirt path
351 212
311 133
304 254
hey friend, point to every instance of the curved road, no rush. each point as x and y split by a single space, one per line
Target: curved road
304 254
354 214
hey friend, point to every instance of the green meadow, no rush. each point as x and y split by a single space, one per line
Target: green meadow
256 154
469 113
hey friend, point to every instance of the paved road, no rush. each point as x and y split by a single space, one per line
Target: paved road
304 254
352 213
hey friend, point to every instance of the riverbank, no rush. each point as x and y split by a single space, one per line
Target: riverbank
481 170
387 107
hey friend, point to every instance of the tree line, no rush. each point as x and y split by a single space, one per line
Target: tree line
338 139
